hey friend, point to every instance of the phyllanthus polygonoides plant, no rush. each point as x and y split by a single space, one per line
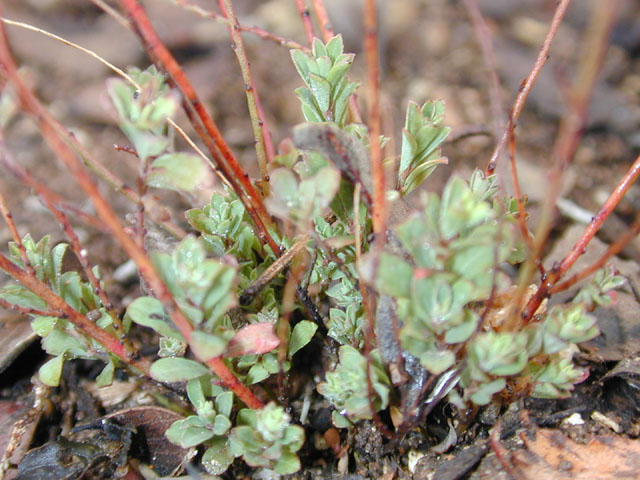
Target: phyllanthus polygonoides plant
444 304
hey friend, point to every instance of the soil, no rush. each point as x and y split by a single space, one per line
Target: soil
428 51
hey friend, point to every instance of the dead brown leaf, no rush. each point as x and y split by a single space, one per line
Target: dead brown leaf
553 456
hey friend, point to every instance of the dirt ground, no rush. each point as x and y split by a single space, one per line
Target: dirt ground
429 51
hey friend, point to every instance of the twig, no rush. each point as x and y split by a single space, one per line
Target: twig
573 121
375 122
47 128
93 163
526 86
91 53
613 249
522 214
306 20
578 249
261 135
112 12
484 39
323 19
285 42
8 219
28 310
247 296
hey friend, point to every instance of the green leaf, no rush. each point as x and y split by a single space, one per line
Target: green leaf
287 463
177 171
393 276
256 374
106 376
207 346
217 458
224 403
321 90
189 432
221 424
485 391
177 370
149 312
340 421
335 47
21 296
301 335
51 371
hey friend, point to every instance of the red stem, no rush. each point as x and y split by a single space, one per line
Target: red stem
526 86
602 21
261 134
483 35
28 310
8 218
323 19
613 249
285 42
306 20
522 214
579 248
74 241
375 122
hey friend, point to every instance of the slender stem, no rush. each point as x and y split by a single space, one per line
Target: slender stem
522 214
260 131
375 122
323 19
527 85
8 218
483 35
613 249
285 42
579 248
91 53
28 310
305 15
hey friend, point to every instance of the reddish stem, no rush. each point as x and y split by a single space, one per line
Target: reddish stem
483 35
74 241
255 30
375 122
613 249
522 214
28 310
323 19
305 15
602 21
261 134
526 86
579 248
8 218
